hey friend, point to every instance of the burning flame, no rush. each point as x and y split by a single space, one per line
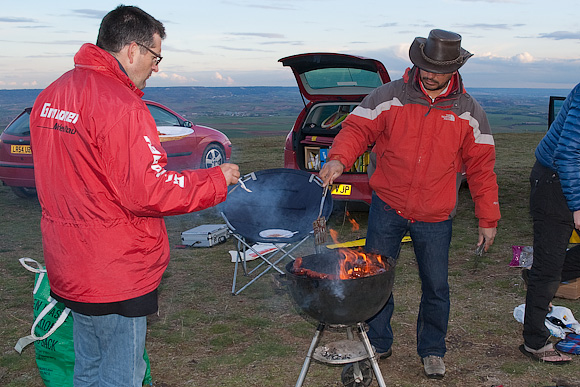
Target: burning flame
354 263
334 235
355 225
358 264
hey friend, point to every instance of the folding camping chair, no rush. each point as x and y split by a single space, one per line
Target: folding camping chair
280 209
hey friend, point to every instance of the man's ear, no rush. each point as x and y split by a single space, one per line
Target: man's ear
132 51
127 55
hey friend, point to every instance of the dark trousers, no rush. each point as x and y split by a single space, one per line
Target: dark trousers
553 225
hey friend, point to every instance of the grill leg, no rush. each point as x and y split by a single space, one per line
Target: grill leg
357 374
372 358
313 346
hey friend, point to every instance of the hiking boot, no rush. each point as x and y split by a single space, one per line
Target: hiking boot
384 355
434 366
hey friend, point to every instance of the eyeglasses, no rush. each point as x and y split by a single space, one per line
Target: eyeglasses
157 56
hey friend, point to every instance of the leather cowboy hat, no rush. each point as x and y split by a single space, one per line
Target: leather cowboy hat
440 53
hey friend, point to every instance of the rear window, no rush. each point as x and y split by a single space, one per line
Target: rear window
342 77
20 126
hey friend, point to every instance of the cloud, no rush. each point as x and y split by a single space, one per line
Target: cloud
221 78
261 6
524 57
389 25
285 42
54 42
487 26
90 13
240 49
492 1
185 51
560 35
395 58
521 70
171 77
486 69
16 20
259 34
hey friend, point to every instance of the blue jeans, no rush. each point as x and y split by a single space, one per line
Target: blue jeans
431 244
109 350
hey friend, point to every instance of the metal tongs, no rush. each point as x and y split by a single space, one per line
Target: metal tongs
480 249
322 201
319 225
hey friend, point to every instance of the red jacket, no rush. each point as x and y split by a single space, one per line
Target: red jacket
421 145
102 185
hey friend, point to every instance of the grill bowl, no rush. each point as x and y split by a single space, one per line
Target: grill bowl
336 301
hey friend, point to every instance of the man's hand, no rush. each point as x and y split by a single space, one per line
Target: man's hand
330 171
487 235
577 219
231 173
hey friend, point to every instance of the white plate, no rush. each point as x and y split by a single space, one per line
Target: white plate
276 233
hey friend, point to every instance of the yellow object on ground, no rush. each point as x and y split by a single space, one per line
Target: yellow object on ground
360 243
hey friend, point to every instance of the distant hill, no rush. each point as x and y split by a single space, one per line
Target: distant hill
191 102
229 101
507 109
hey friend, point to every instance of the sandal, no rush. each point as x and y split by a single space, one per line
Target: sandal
547 356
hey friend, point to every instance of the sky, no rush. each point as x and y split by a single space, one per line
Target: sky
214 43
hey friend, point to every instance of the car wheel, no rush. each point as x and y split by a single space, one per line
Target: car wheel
24 192
213 156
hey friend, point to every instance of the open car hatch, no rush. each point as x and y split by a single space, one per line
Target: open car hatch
323 76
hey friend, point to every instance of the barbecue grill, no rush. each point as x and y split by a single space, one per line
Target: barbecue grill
344 303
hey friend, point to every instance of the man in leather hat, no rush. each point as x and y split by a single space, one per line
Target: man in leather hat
425 129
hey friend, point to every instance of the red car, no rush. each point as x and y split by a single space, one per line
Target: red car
188 146
333 85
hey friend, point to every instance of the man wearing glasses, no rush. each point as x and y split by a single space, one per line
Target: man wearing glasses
103 188
156 55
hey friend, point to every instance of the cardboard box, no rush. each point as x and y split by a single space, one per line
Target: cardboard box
206 235
312 158
569 289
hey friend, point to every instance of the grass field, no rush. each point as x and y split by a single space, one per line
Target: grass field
244 127
510 123
204 336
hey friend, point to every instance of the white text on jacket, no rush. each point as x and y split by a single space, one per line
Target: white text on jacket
171 176
58 114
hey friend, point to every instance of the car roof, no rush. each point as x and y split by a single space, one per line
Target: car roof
324 75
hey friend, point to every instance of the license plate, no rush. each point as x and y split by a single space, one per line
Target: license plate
341 189
20 149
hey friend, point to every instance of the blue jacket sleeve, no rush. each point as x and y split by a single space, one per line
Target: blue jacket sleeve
560 148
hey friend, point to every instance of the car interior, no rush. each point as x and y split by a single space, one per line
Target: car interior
325 119
321 125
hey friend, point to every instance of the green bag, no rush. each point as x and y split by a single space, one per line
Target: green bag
52 334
